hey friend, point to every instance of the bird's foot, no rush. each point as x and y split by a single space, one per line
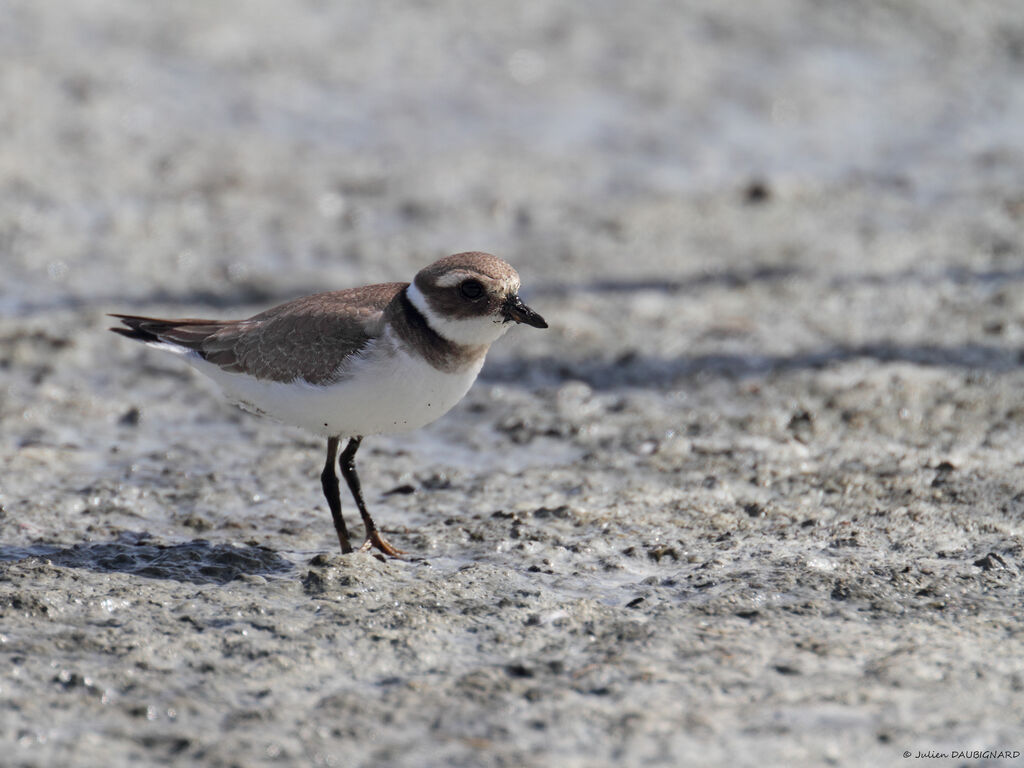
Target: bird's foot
375 541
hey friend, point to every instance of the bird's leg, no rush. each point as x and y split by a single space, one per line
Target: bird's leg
329 481
348 471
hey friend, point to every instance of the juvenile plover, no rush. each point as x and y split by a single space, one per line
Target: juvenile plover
364 361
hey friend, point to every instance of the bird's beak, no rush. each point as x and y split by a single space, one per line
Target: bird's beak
514 309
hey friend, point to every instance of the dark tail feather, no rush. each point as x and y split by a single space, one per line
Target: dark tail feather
186 332
136 329
135 333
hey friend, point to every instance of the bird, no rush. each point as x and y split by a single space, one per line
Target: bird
344 365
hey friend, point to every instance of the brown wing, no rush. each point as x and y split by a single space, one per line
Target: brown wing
307 338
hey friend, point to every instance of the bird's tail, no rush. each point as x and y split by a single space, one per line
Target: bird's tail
188 333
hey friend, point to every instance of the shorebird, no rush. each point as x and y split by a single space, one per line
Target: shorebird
365 361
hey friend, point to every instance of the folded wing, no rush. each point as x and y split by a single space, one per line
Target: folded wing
308 338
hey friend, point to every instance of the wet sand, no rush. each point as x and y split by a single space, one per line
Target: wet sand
755 498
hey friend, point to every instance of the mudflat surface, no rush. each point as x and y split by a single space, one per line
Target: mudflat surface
755 498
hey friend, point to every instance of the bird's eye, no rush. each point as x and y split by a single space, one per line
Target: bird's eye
471 289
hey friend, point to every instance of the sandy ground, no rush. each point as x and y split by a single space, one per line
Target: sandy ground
756 497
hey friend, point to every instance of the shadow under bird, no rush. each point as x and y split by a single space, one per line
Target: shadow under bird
364 361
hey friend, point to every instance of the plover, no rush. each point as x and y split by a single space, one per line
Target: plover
364 361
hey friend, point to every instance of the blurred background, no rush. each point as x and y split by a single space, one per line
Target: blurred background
208 153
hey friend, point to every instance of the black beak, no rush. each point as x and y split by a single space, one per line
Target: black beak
514 309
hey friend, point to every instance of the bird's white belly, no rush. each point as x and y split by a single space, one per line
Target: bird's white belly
382 393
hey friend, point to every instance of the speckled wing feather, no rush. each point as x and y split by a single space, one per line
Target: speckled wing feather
308 338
